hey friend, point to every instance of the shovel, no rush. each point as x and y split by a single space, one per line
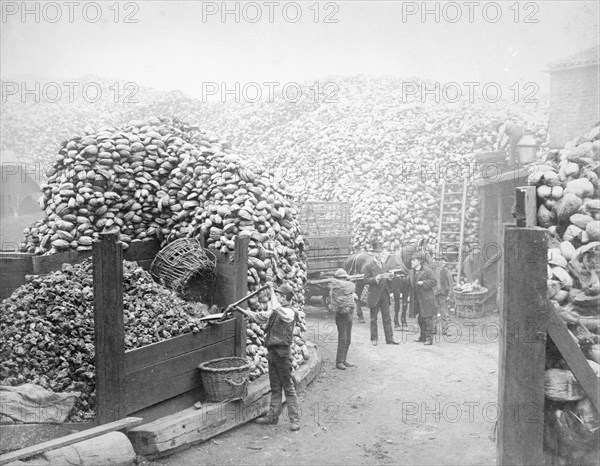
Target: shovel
220 316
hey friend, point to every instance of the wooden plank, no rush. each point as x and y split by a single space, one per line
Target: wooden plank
572 354
314 242
191 426
526 206
54 262
109 336
168 407
241 289
172 377
151 354
13 268
523 348
18 436
140 250
70 439
325 264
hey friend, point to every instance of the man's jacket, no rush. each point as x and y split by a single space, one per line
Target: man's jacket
423 294
377 291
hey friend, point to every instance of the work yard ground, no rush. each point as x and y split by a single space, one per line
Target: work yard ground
407 404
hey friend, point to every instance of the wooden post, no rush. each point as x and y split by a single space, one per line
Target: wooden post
109 337
526 206
241 290
523 348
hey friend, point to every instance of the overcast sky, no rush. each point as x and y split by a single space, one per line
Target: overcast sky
172 46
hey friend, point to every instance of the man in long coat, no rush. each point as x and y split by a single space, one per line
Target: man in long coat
378 299
422 298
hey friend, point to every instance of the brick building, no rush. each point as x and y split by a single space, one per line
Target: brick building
574 95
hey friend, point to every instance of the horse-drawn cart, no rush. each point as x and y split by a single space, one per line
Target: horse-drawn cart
326 227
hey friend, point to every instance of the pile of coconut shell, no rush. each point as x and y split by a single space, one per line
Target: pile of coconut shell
371 146
569 207
165 179
47 328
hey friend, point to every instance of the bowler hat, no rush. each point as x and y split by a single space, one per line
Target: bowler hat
341 273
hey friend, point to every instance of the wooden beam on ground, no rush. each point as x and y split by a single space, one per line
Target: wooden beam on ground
572 354
191 426
523 348
70 439
526 206
109 328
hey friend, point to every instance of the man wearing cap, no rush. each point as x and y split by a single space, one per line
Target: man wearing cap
279 336
422 298
378 298
343 294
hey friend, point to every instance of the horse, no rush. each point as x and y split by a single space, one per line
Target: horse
399 260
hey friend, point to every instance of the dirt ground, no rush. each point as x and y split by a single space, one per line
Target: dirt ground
407 404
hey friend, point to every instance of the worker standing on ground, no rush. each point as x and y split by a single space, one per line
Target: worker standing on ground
445 283
343 294
422 299
279 335
378 299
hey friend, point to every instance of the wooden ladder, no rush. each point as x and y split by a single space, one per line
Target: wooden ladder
451 226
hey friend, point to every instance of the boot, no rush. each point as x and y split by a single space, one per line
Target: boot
428 341
266 420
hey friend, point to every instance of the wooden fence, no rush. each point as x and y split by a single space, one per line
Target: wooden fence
528 319
156 379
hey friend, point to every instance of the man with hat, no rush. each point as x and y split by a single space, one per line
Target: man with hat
378 279
422 298
279 336
343 294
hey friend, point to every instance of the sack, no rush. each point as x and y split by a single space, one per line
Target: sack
364 295
33 404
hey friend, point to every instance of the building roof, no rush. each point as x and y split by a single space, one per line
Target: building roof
585 57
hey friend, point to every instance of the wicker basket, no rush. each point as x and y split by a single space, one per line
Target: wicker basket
469 304
225 378
561 385
187 268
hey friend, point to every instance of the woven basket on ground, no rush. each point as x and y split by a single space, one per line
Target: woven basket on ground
470 297
225 378
187 268
561 385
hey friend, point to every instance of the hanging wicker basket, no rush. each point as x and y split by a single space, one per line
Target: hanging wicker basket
186 267
225 378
